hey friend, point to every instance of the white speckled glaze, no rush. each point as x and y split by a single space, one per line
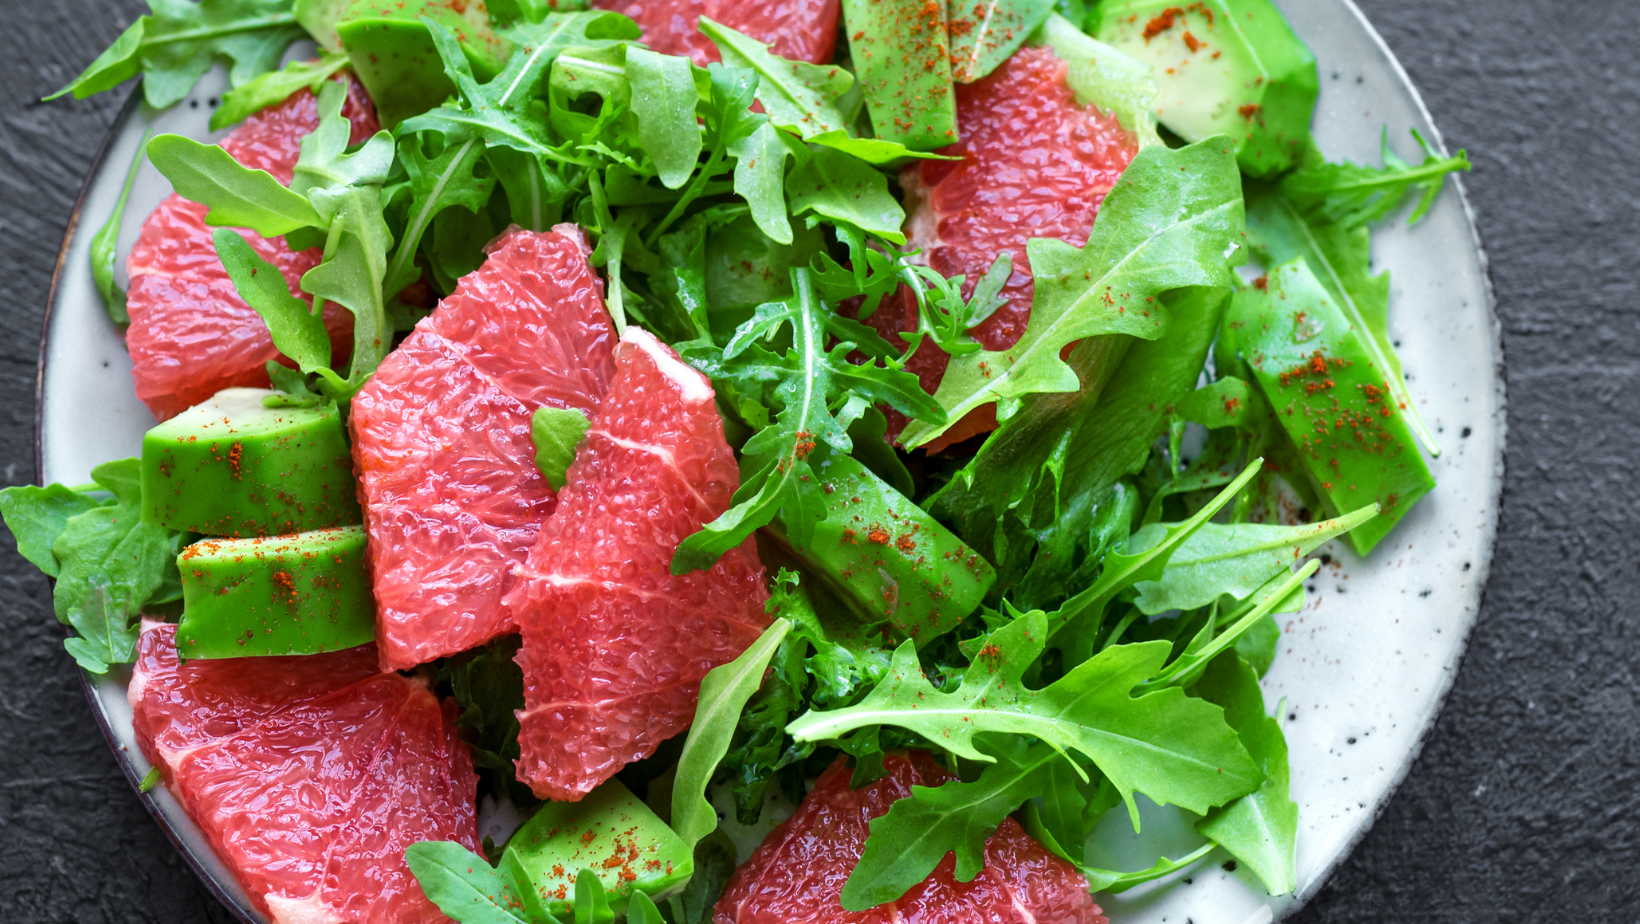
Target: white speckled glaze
1363 669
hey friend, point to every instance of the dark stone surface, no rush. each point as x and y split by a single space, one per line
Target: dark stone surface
1524 803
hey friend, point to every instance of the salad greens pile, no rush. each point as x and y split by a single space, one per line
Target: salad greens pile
1118 591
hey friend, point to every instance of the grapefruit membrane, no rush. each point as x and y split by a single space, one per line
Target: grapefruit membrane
1034 164
309 775
191 335
796 875
802 30
615 645
441 439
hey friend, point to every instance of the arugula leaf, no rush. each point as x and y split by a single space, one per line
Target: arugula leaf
874 151
1234 559
435 183
273 87
806 382
641 909
499 112
760 179
106 635
729 120
798 96
1037 481
1173 220
36 516
1146 559
109 547
1287 588
104 242
1260 828
946 317
1167 745
1353 196
844 189
663 99
464 885
237 195
916 833
1278 231
556 432
175 44
714 864
346 189
297 331
591 901
1112 881
723 694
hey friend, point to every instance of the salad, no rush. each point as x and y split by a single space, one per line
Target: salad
764 462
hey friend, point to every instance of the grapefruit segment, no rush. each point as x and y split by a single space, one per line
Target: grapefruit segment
615 645
802 30
441 439
796 875
1034 164
310 776
191 335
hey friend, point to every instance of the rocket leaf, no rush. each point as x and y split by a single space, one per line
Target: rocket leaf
1353 196
1233 558
1171 747
1174 220
799 97
274 86
176 43
918 831
296 330
237 195
723 694
1260 828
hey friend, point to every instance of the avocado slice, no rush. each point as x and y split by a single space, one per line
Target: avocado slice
610 832
902 57
393 53
231 467
280 595
887 559
1230 67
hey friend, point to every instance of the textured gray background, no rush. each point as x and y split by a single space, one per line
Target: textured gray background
1523 805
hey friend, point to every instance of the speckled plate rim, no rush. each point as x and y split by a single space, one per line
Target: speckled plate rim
229 894
1312 888
234 898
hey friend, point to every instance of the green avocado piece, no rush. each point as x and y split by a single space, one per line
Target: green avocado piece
231 467
1330 399
319 18
888 560
393 53
610 832
1231 67
902 59
279 595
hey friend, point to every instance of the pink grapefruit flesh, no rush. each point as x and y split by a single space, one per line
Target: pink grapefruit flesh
1034 164
310 776
191 335
802 30
796 875
441 439
615 645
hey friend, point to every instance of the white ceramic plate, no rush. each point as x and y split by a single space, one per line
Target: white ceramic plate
1363 669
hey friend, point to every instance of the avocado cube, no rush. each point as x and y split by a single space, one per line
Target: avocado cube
281 595
393 53
886 559
902 57
1230 67
610 832
231 467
